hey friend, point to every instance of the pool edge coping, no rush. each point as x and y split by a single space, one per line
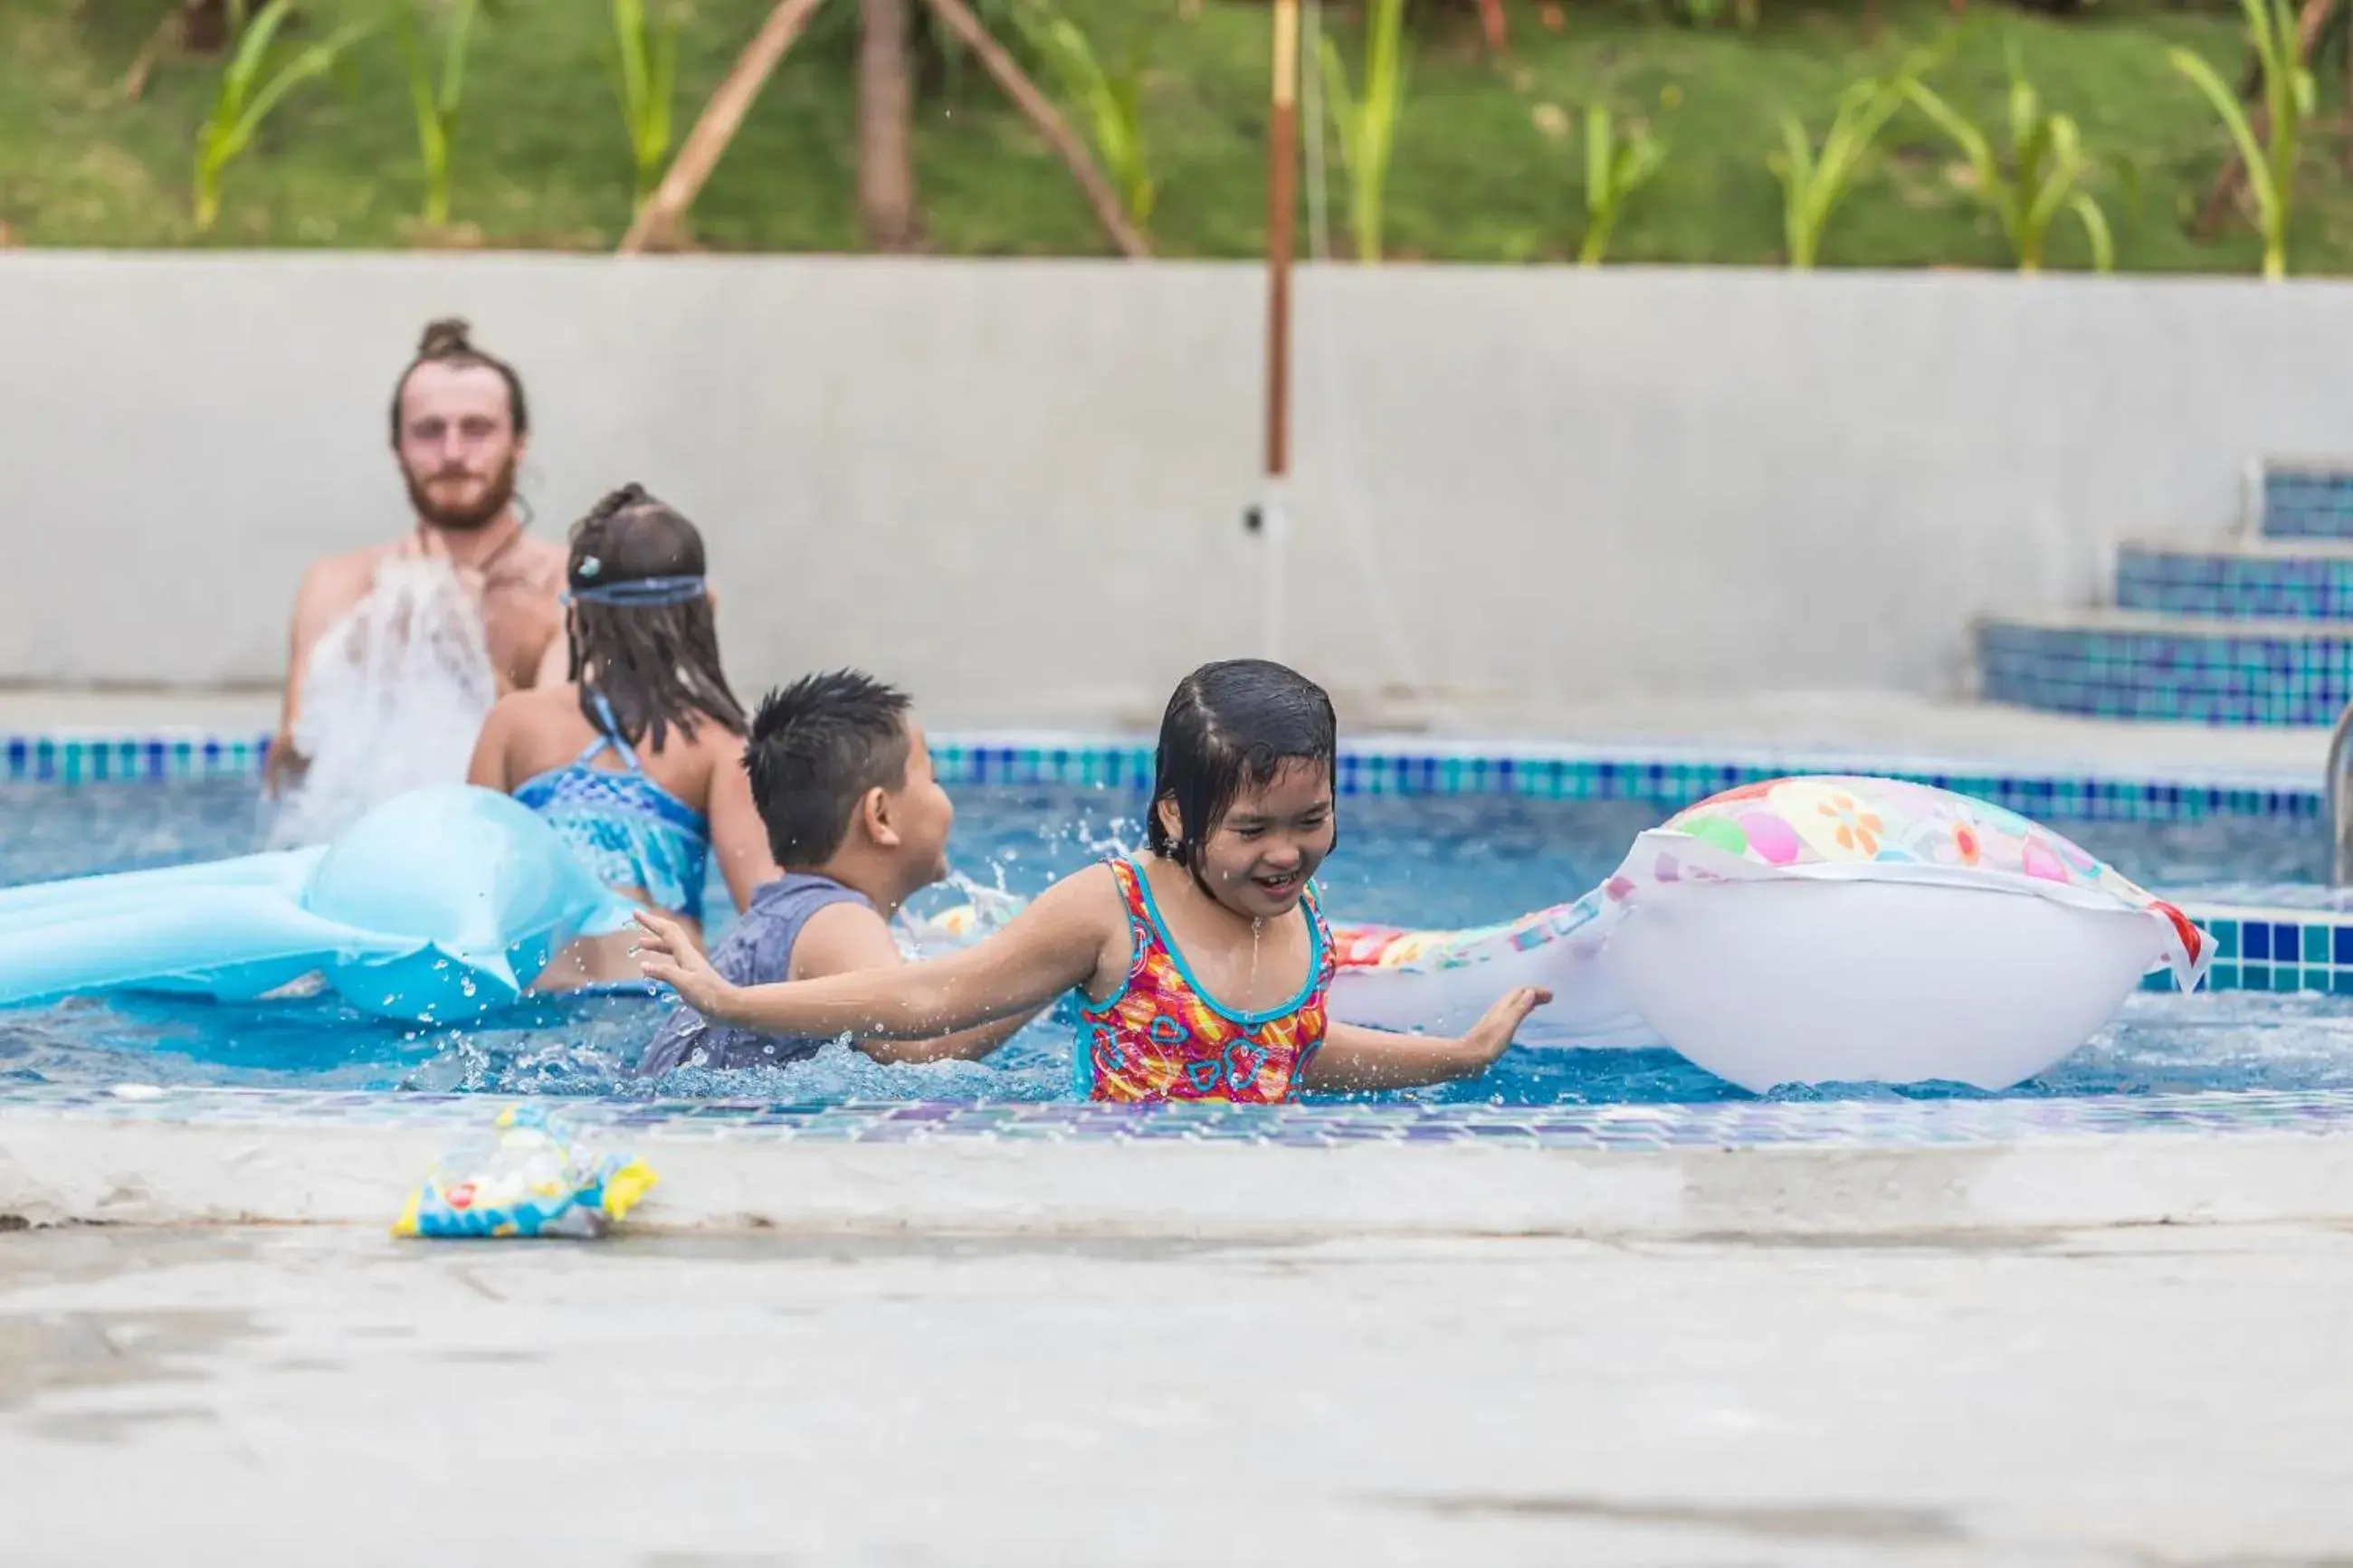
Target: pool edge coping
61 1170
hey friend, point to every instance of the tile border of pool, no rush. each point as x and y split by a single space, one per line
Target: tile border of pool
1890 1122
1666 776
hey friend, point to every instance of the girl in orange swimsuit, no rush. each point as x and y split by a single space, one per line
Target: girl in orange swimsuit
1202 966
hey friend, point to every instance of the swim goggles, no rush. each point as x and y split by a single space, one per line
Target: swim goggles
641 592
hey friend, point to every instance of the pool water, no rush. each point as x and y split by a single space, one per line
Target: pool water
1427 861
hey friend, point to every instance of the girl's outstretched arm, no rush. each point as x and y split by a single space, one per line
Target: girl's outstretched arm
738 838
1053 945
1354 1057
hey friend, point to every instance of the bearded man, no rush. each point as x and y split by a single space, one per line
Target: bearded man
459 427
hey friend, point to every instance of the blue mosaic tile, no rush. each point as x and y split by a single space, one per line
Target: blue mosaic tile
2271 948
2228 582
75 758
1549 774
2272 652
2177 674
2307 503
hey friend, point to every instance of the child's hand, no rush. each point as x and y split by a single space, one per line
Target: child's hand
1492 1035
668 955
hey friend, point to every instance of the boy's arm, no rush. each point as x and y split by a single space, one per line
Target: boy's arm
843 938
1055 944
1355 1058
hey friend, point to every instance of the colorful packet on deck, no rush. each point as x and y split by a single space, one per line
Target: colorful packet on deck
534 1178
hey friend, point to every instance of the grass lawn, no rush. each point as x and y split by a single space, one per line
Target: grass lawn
1482 171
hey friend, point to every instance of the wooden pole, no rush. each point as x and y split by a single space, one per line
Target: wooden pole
1491 22
886 128
720 119
1282 156
1049 124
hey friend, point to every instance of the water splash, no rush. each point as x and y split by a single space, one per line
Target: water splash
395 696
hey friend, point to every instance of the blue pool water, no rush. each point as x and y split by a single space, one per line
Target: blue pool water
1444 861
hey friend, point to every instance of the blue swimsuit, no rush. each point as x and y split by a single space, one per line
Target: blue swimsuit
628 829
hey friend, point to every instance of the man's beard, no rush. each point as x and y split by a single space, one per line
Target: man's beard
473 516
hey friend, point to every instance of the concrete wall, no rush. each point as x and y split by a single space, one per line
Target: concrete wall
1017 486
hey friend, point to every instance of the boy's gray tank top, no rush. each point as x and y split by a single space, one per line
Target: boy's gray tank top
758 951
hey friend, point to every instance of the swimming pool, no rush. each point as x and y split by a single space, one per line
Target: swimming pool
1434 860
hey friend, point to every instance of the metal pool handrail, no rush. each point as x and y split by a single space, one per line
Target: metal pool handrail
2340 800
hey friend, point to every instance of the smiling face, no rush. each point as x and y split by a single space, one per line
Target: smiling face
1259 854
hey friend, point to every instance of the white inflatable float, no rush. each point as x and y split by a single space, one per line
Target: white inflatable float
1809 931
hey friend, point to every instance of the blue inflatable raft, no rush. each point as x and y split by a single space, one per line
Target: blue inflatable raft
437 906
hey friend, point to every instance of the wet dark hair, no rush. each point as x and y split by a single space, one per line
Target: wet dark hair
450 341
817 747
1231 726
657 665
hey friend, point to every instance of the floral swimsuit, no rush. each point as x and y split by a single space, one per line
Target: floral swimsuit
1161 1036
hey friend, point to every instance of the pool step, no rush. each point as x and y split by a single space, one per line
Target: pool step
2256 629
2300 498
2194 670
2251 578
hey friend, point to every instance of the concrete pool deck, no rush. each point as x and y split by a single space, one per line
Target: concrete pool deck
2136 1398
260 1161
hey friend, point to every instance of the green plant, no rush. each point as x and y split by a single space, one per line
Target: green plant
1707 13
1369 128
2287 103
1615 168
2046 169
1113 104
1813 184
645 79
435 100
249 89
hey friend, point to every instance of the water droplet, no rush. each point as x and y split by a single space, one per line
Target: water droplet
1249 986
